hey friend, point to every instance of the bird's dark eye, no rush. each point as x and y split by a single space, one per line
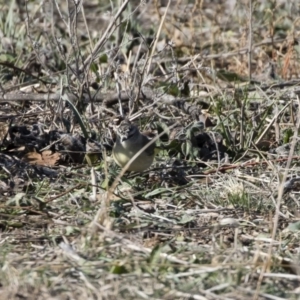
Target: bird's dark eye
130 132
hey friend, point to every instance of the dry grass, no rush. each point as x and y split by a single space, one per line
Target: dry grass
216 217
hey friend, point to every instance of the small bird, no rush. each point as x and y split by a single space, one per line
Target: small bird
130 141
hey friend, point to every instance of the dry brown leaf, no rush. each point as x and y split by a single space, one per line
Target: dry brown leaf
46 158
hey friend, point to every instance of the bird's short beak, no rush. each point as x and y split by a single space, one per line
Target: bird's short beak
123 138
